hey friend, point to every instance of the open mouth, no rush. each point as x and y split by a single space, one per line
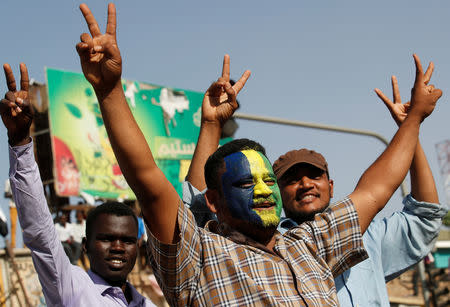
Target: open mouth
264 205
116 263
307 198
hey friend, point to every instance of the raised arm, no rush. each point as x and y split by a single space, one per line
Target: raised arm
219 104
383 177
421 214
51 263
423 187
102 66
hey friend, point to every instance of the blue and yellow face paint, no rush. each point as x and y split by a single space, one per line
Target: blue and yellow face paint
250 188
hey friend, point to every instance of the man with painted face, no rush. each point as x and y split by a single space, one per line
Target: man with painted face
306 189
111 229
237 261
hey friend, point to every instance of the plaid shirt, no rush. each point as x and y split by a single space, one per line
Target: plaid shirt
209 269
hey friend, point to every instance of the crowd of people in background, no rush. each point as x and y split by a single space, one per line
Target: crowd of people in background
71 235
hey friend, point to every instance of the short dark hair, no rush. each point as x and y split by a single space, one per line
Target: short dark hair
111 208
215 161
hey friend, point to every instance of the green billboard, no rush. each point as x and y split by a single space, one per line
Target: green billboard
84 162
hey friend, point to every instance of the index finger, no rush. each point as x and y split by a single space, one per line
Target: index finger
226 67
419 70
395 90
111 24
24 81
10 81
241 82
383 97
428 73
90 20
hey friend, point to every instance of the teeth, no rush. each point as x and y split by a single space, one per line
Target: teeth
116 261
308 197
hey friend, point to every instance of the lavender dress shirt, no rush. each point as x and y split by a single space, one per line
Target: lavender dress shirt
63 284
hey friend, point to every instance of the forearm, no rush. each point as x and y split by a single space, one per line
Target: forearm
383 177
158 198
50 261
26 186
208 141
128 142
423 187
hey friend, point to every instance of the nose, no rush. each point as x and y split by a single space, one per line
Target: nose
305 182
117 246
262 189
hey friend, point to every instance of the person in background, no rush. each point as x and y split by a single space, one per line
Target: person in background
3 224
78 233
64 230
111 229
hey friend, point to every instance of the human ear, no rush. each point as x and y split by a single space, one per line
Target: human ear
331 183
84 245
212 198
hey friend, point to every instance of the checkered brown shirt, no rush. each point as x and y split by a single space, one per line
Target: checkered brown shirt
208 269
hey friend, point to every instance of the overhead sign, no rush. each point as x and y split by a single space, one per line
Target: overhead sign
83 158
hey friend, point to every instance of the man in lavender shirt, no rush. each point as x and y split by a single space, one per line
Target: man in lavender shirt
111 229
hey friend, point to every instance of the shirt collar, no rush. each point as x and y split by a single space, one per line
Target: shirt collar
287 223
105 288
228 232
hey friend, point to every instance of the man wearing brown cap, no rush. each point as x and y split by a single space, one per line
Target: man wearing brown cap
303 163
306 189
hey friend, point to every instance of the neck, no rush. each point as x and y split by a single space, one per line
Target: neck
122 284
264 236
125 289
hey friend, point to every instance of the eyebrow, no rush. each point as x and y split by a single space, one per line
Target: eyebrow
106 235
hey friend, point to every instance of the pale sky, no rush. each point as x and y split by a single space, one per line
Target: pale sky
315 61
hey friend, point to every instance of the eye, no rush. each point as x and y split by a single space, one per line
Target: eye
269 181
244 184
289 181
129 240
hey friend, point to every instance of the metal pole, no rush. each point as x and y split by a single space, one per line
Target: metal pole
298 123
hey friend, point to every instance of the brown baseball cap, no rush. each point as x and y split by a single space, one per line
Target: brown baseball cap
293 157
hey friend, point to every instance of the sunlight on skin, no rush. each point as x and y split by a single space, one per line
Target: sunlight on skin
262 188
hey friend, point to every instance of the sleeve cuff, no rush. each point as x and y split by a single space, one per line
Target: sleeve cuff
422 208
20 157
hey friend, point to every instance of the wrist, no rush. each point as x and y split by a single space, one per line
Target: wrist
19 140
211 124
210 130
414 116
103 92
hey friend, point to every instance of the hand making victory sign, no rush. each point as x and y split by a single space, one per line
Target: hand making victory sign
15 109
395 107
99 54
423 96
219 102
102 66
423 187
391 167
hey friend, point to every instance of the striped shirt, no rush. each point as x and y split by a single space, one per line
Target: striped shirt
217 266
